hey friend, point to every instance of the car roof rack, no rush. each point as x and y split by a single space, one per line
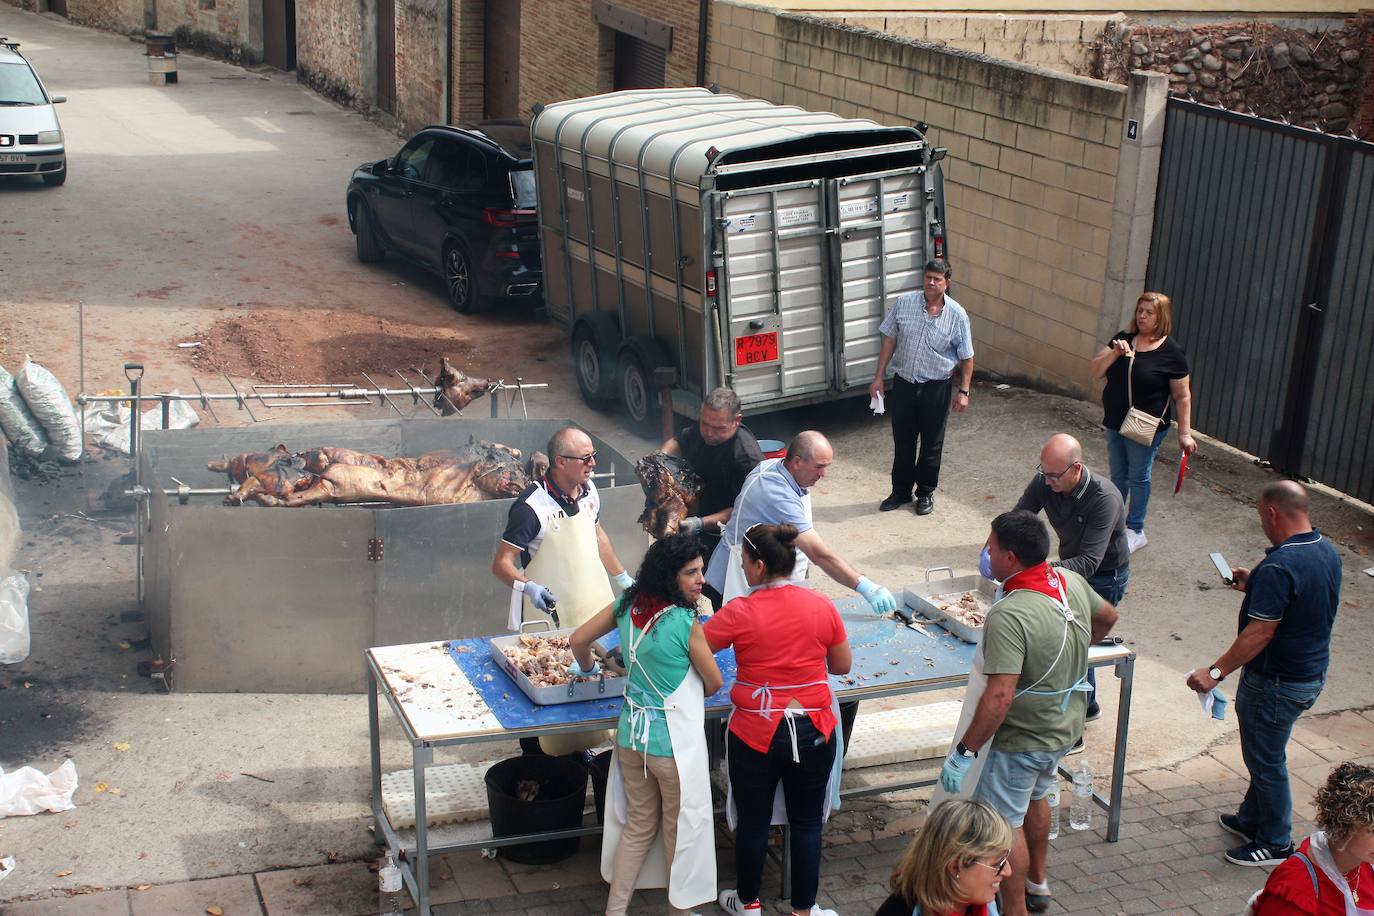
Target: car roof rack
5 42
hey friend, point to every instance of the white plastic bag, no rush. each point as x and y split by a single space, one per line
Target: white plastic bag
14 618
9 530
109 426
17 421
52 407
27 791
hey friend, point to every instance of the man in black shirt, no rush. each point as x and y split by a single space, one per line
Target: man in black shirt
722 451
1089 518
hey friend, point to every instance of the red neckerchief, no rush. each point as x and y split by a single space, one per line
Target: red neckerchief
1041 578
644 609
558 494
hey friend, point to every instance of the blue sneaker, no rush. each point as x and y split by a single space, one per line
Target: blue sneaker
1231 824
1253 854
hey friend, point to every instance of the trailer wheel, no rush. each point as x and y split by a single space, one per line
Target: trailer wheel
593 351
638 395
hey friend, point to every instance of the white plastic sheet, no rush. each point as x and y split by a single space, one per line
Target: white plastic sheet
52 407
17 421
27 791
14 618
108 424
9 530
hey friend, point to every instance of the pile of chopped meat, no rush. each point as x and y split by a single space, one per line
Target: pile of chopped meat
970 608
543 659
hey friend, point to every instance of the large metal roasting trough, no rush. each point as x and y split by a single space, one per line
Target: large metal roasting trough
285 600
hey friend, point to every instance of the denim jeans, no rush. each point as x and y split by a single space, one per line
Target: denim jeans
1266 709
1111 588
754 778
1130 464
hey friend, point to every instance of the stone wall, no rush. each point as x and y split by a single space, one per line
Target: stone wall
1315 79
420 48
329 37
1058 42
1050 207
564 54
112 15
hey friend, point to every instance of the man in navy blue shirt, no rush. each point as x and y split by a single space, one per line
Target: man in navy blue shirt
1284 644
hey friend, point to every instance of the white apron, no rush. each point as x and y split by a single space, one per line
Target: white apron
832 788
978 682
568 563
732 536
693 878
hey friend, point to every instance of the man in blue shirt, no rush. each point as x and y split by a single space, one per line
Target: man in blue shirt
1284 644
927 340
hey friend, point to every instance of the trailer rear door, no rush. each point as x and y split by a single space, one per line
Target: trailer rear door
881 252
775 290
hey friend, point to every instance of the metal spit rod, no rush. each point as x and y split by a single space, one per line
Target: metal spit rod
264 393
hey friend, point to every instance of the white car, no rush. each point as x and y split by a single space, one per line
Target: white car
31 140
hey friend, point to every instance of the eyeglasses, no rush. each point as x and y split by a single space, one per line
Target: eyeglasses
999 866
585 459
1054 478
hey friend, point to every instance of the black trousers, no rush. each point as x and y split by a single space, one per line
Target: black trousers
919 412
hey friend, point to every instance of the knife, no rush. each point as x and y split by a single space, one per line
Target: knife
610 660
909 620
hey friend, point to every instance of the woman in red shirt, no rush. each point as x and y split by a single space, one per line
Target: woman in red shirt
1331 873
788 640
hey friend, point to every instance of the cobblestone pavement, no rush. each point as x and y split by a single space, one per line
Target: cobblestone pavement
1168 859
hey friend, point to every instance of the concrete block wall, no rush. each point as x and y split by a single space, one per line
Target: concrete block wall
1057 42
1031 176
329 36
565 55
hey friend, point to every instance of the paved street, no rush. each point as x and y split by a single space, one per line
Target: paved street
214 210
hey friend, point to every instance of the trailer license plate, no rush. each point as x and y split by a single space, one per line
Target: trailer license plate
752 349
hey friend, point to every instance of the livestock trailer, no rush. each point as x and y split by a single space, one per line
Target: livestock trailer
742 243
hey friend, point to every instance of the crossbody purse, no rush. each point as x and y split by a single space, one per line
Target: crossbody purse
1138 426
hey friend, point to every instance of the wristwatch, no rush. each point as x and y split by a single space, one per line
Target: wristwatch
964 392
1215 673
965 752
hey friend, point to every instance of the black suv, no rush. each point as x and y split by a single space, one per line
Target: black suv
458 201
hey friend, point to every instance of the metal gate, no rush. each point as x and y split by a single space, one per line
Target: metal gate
1263 238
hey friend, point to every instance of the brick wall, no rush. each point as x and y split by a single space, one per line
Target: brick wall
468 76
564 54
1031 177
420 48
329 49
1062 43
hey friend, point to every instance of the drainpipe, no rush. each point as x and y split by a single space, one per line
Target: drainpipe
703 29
448 62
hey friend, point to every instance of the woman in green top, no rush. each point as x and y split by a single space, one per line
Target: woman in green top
659 791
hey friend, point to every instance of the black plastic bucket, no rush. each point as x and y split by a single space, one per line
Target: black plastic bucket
558 805
600 768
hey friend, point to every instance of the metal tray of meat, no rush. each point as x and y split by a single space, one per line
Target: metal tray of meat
924 600
575 691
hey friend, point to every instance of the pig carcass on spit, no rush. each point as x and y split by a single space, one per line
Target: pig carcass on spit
456 389
272 474
671 490
331 474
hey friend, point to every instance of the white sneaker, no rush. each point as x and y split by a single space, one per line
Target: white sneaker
1134 540
729 902
817 911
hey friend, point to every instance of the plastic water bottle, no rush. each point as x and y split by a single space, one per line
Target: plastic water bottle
1052 798
1081 806
389 876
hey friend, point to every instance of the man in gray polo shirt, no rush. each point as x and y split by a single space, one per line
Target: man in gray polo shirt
1089 518
927 340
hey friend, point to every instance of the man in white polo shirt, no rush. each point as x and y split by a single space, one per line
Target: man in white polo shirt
927 340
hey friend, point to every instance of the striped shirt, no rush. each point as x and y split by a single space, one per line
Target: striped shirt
928 348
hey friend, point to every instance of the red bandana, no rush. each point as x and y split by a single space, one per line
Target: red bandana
644 609
1041 578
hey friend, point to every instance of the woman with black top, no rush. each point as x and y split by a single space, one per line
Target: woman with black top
1158 385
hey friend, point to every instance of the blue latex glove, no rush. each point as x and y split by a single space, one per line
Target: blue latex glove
877 596
623 579
541 597
952 773
577 670
689 525
985 563
1219 704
